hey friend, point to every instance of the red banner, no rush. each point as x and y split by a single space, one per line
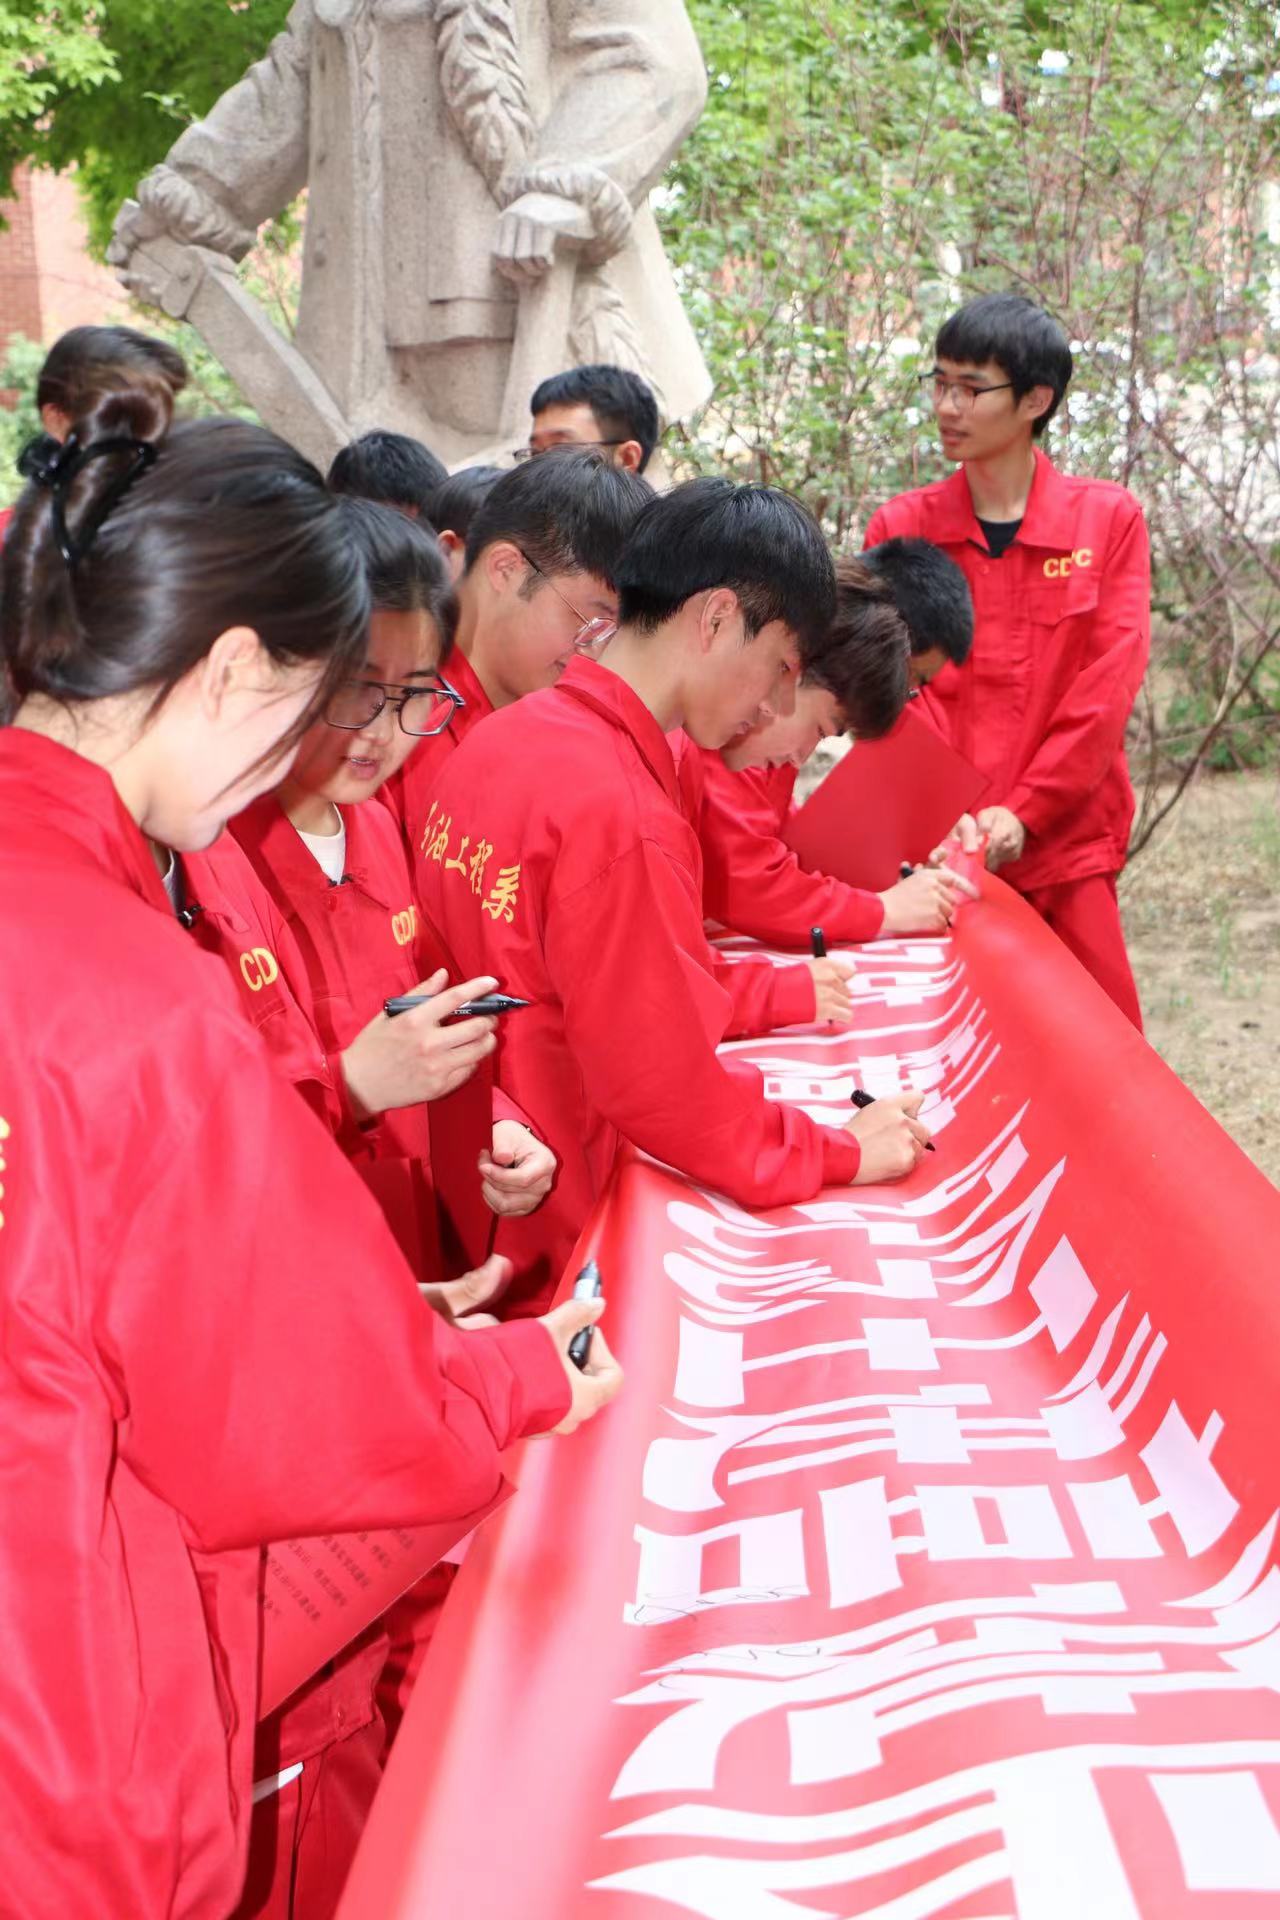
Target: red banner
927 1566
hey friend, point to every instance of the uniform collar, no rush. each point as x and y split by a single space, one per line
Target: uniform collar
57 790
275 846
1047 522
596 687
461 675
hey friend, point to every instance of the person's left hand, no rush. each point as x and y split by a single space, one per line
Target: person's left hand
524 247
1007 835
460 1301
831 978
516 1177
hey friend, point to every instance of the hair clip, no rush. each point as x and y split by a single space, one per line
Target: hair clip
64 471
44 459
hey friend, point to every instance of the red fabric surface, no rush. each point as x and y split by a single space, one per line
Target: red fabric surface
211 1342
751 879
1085 915
1063 629
361 944
235 917
984 1615
588 902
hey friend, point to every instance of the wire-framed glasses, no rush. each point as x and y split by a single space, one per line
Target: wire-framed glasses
421 711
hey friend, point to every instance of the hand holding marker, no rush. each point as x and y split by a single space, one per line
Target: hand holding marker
487 1007
587 1286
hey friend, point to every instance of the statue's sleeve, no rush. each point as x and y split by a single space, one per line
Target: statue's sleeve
248 156
631 85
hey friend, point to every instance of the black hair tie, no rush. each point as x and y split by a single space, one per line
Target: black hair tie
57 467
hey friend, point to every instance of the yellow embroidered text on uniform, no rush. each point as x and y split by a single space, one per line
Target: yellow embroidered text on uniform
501 904
404 926
1060 566
260 969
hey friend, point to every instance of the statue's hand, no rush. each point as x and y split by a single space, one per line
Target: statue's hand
524 247
134 226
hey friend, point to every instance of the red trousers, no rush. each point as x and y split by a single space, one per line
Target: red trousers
1085 915
303 1838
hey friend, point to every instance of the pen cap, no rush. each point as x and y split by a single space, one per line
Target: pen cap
588 1285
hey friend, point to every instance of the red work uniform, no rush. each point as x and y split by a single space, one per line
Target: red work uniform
751 880
229 912
361 943
211 1342
559 859
410 792
1063 629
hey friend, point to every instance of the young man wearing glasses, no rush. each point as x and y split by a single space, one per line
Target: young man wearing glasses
598 406
1060 574
537 587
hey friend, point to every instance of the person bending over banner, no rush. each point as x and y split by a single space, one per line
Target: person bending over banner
211 1340
454 505
392 468
541 556
738 801
557 856
1060 574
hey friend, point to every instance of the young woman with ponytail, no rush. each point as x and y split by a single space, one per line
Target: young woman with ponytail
210 1339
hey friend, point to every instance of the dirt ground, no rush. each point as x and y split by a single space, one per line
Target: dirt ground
1201 909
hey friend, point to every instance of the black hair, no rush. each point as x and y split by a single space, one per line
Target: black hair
403 564
862 658
455 501
1023 340
757 541
89 362
623 404
390 467
930 592
222 525
568 511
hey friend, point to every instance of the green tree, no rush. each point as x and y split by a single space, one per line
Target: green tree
113 83
48 54
862 168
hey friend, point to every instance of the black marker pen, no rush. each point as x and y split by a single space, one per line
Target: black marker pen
587 1286
817 943
861 1098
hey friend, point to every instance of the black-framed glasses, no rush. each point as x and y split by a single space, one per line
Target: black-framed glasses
422 711
937 387
531 453
593 629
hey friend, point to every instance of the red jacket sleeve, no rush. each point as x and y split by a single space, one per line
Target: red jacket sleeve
271 1325
753 882
763 997
634 929
1086 729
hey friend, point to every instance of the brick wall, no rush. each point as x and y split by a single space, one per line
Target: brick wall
20 310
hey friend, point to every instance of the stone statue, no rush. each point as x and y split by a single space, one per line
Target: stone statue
477 217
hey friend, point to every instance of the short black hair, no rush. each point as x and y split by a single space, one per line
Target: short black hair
455 501
85 364
403 564
930 592
862 658
390 467
1024 341
757 541
621 401
568 511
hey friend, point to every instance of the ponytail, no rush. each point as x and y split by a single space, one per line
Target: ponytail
139 542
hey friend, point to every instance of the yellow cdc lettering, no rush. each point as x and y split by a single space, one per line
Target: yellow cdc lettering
404 925
1059 567
260 969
